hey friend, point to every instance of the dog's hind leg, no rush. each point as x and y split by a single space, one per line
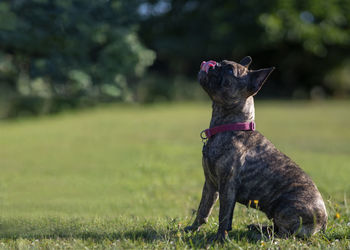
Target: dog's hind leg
300 223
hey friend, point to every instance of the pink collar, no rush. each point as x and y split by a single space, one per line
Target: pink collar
227 127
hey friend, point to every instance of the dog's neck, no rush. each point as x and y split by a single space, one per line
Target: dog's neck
242 112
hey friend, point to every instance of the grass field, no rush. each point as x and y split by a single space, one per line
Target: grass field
129 176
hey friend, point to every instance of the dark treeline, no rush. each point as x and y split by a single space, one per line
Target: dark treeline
56 54
308 41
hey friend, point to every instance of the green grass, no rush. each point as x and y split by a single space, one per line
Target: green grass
127 176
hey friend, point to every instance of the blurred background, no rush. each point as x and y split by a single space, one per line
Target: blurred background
121 78
67 54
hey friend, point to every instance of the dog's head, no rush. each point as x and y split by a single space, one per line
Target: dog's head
229 83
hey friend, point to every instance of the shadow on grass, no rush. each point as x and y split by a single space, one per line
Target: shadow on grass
146 233
193 240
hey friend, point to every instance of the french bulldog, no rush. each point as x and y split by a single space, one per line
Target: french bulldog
243 166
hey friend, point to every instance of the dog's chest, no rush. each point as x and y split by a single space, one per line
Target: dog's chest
221 155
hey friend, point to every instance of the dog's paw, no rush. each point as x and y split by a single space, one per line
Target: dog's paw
191 229
222 237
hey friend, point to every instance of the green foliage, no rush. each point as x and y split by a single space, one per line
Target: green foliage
155 88
338 79
305 40
129 176
70 48
74 53
315 25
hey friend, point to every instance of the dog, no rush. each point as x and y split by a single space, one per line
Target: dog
241 165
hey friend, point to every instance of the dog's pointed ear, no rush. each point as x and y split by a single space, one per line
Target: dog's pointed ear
257 78
246 61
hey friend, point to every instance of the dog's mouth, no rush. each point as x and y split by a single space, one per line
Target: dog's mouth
205 66
208 76
203 75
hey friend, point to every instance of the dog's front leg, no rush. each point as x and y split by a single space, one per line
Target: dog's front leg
227 194
209 197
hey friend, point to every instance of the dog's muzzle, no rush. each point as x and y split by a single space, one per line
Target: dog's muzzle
205 66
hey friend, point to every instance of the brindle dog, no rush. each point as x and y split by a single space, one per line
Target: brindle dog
243 166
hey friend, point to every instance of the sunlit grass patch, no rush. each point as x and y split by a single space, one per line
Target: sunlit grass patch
130 176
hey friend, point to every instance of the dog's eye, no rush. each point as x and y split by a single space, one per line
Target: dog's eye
230 71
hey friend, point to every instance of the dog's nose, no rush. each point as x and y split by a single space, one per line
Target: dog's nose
205 66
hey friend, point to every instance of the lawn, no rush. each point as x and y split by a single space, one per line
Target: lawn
130 176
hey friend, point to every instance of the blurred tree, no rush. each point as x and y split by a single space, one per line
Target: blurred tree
70 48
74 50
306 39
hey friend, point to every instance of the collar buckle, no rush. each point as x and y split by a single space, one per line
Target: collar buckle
252 126
204 136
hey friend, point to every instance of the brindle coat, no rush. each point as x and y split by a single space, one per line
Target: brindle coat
243 166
